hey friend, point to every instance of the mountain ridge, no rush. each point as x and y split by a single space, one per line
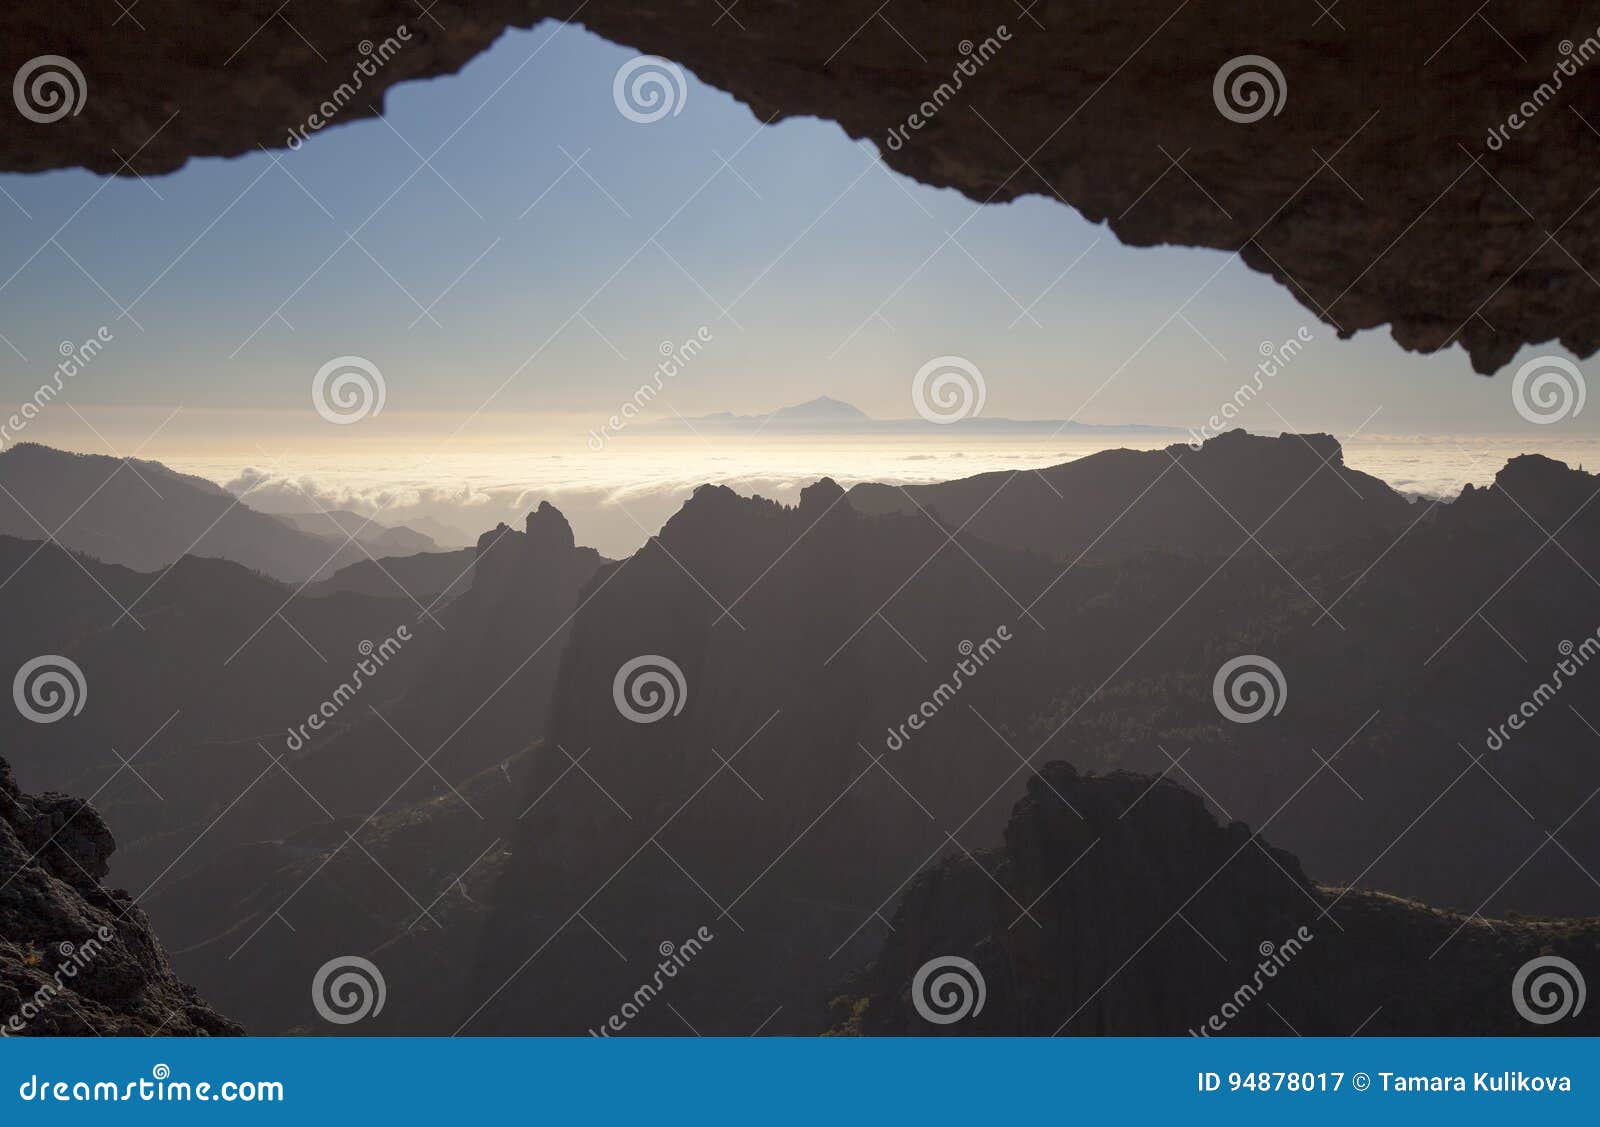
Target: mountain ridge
114 510
826 415
789 783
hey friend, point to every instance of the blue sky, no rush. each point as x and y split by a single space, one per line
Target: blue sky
808 264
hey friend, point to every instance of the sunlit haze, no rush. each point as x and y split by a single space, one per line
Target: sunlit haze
518 288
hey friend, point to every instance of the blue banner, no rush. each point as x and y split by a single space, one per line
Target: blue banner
815 1082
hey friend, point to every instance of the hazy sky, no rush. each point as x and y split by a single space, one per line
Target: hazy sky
814 270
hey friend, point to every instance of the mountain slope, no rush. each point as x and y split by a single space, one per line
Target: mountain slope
221 663
826 750
425 576
145 516
227 786
340 525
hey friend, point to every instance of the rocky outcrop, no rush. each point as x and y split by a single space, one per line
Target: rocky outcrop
1368 183
76 958
1119 905
1293 492
757 776
506 558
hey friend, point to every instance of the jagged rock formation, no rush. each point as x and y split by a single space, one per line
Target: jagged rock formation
801 834
76 958
1118 905
1421 222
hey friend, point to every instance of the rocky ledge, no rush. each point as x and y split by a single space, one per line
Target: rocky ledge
78 959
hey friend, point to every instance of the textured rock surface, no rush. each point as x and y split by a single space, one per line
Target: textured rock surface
1132 911
1418 223
77 958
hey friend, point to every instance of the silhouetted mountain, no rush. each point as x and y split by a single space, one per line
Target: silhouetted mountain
1293 493
425 787
340 526
840 701
1118 905
808 636
78 959
145 516
763 695
426 576
446 536
213 667
821 409
228 791
1403 657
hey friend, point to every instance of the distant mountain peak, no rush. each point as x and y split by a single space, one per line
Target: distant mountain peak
822 407
827 415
